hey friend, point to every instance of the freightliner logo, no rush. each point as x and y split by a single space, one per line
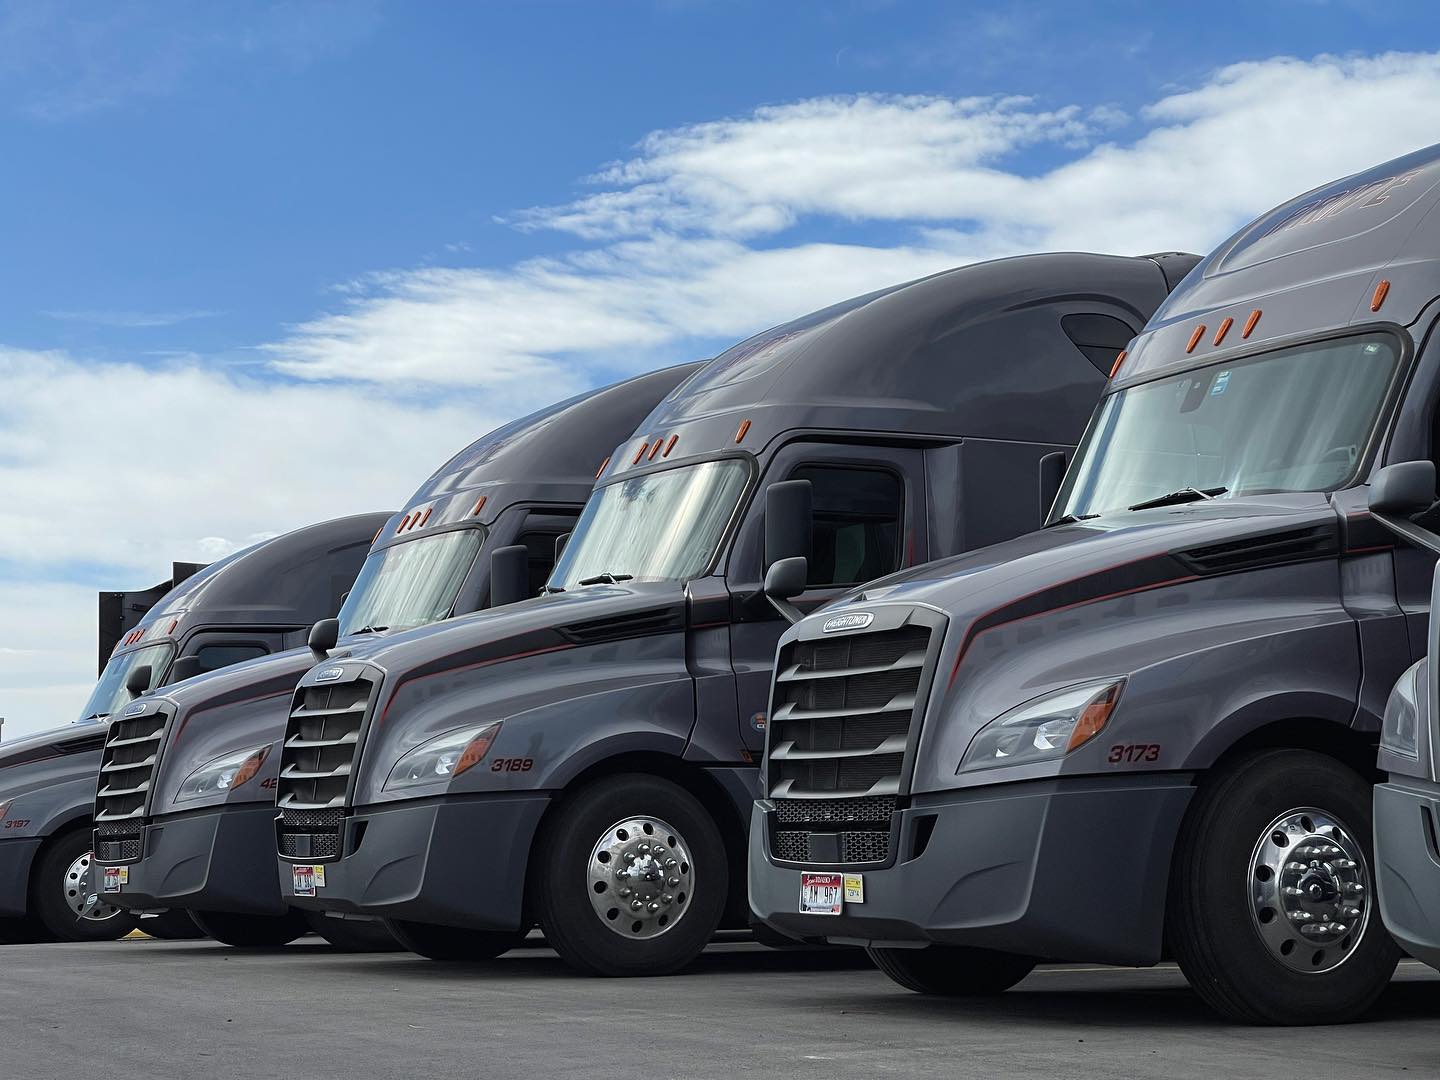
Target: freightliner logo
855 620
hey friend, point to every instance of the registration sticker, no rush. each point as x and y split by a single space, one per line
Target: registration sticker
307 879
854 888
116 878
821 894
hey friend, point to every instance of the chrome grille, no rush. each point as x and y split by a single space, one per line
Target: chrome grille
321 744
118 842
127 770
847 830
841 713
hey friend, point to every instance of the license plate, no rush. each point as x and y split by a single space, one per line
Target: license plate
307 879
822 894
115 878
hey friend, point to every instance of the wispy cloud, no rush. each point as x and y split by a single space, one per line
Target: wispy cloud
128 320
698 236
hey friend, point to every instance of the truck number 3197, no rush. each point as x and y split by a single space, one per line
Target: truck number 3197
1122 752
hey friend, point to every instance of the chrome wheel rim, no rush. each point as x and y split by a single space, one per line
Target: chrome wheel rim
640 878
1310 890
81 897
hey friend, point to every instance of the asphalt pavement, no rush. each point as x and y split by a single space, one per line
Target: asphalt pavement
151 1010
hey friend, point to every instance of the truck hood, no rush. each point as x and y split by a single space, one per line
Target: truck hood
83 737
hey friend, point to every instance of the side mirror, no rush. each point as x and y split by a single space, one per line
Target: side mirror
1052 475
560 542
138 681
789 521
184 668
1404 489
323 636
509 575
786 579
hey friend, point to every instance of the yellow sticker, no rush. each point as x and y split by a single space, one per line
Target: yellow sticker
854 888
319 876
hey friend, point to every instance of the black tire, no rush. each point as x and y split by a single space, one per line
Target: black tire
1210 925
171 926
54 889
251 931
353 935
21 931
451 944
952 970
571 923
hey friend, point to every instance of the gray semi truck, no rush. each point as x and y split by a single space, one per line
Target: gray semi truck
1149 729
259 600
586 760
200 836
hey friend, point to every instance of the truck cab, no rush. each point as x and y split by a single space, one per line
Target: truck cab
585 760
190 828
256 601
1149 730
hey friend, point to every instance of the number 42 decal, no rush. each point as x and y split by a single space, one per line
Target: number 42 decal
1122 752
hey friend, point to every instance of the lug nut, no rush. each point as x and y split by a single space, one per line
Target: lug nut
636 905
667 898
1354 888
1344 864
670 864
1298 867
654 908
624 894
1289 890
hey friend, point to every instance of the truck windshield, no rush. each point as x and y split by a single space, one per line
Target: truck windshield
110 693
411 584
1297 419
664 526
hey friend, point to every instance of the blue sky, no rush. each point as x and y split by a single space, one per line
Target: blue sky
265 263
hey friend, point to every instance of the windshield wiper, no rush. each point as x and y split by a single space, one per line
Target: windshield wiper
1070 519
605 579
547 590
369 630
95 716
1184 495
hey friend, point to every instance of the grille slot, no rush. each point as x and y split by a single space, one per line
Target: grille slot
117 842
127 768
847 830
842 710
318 756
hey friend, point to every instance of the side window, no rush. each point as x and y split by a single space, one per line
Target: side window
858 523
215 657
539 535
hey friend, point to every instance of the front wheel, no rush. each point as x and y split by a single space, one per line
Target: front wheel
174 925
251 931
952 970
451 944
61 891
1272 913
632 877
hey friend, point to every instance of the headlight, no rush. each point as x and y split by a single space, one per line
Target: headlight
223 774
443 757
1047 727
1400 729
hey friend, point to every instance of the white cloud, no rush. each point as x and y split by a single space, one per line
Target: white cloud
688 237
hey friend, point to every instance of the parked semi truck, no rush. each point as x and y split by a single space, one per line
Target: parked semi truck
193 826
586 760
1149 729
1407 804
262 599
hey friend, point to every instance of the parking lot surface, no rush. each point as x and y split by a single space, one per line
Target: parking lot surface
154 1010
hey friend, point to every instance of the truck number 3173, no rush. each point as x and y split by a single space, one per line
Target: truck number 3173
1122 752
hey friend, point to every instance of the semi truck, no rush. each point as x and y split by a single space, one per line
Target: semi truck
258 600
585 760
1150 729
192 826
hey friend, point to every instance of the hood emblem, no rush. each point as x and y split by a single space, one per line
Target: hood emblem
134 710
329 674
855 620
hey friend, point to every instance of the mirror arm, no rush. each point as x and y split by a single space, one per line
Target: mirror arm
1409 531
788 611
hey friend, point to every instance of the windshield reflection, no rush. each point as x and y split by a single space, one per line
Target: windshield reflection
411 584
110 693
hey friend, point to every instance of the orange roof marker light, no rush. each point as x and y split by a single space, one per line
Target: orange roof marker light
173 623
1224 329
670 445
744 427
1120 359
427 515
1250 323
404 524
655 449
479 505
1195 338
377 534
603 465
1381 291
640 453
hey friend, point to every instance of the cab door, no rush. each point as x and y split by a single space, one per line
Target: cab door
869 514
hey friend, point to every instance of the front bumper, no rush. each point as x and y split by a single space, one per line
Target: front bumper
17 857
218 859
1071 870
1407 815
451 862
